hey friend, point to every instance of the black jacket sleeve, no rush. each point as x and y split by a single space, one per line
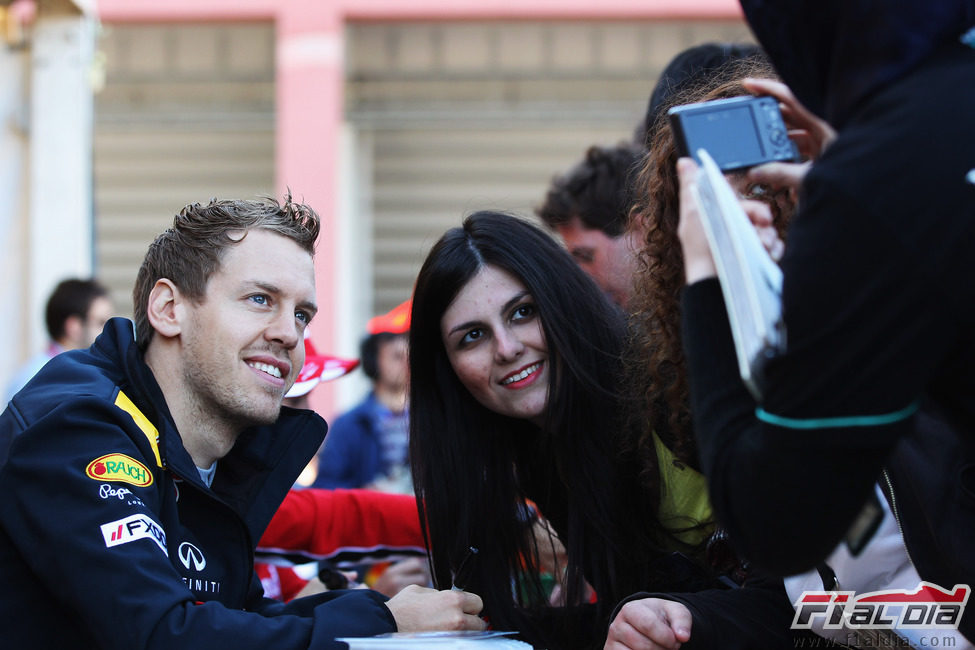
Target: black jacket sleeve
128 594
878 309
786 495
755 616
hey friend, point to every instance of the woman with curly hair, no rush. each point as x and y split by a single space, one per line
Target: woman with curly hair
656 365
656 359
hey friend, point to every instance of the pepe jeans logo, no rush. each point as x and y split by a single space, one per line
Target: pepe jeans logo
191 556
111 492
106 491
119 467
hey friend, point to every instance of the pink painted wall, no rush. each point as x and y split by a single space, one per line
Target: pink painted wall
310 82
309 114
201 10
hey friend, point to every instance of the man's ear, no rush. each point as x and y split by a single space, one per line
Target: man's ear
166 309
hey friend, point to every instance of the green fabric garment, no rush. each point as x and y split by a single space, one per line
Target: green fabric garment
685 509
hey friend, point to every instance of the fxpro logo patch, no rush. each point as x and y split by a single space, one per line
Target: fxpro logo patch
132 528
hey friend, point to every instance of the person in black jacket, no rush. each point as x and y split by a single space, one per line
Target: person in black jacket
877 302
144 469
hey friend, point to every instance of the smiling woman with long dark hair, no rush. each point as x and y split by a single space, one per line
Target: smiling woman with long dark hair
516 404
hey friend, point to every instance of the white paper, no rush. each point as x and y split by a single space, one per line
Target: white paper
751 282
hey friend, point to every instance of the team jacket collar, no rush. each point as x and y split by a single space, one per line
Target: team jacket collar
265 460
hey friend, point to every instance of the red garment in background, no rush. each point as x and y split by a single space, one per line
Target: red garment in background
337 525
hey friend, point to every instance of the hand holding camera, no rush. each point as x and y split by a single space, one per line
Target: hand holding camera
766 134
811 135
737 132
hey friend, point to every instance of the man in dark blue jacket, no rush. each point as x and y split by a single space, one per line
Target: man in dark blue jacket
143 470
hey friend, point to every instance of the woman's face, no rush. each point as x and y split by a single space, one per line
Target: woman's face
494 340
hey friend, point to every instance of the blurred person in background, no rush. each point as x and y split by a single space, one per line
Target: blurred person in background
589 207
367 446
323 539
317 368
75 314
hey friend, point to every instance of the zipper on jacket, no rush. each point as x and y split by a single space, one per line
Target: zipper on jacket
897 517
907 552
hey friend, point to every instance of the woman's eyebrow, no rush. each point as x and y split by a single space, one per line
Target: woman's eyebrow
463 326
518 297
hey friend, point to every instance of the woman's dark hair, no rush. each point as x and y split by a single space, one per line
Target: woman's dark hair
474 469
690 68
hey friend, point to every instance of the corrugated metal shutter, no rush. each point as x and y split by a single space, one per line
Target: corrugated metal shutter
186 115
458 117
428 180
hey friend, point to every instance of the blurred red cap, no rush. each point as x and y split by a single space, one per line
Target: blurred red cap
395 321
318 368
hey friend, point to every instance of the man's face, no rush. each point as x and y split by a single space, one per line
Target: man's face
242 344
391 363
611 261
99 312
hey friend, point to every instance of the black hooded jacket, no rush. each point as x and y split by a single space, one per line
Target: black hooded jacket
836 54
878 301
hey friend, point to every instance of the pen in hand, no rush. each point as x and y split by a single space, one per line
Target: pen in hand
463 574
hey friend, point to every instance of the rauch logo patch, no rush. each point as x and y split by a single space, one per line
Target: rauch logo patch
119 467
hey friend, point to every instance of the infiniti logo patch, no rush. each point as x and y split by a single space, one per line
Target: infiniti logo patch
191 556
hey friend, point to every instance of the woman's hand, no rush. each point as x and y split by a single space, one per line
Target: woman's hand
760 214
811 135
698 263
649 624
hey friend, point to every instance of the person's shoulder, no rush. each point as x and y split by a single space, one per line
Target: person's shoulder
359 413
66 379
80 391
96 425
903 118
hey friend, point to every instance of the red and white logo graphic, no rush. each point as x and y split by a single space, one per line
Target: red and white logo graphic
132 528
927 607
